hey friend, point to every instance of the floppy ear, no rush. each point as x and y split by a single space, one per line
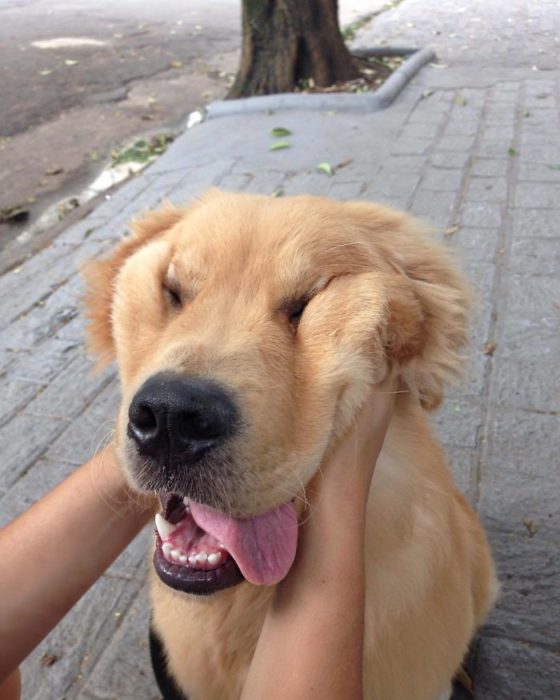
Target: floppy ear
100 276
429 304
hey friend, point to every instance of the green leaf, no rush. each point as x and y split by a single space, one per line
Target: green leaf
553 167
512 152
279 145
279 131
325 168
278 192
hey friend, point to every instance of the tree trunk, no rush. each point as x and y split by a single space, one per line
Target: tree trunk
286 41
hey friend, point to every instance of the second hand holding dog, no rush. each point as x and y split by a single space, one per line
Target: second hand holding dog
311 645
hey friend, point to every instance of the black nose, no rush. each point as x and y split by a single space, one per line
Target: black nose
178 419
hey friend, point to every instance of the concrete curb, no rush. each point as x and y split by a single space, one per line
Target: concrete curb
340 102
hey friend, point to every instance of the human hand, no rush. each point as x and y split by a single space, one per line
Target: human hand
345 475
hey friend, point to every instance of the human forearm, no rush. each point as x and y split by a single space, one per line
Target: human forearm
56 550
314 629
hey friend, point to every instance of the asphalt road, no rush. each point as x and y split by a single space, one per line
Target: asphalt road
132 67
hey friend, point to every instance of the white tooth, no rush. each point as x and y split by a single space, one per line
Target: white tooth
214 558
175 554
164 528
192 559
201 557
166 548
183 558
186 502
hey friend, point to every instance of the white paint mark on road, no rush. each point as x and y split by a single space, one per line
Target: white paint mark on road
67 42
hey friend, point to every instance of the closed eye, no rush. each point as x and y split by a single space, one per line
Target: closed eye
294 310
172 293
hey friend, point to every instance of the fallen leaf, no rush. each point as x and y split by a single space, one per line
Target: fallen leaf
451 230
344 163
45 71
531 526
512 152
426 94
460 101
553 167
278 192
70 62
279 145
14 215
439 65
279 131
176 64
325 168
49 659
490 348
54 171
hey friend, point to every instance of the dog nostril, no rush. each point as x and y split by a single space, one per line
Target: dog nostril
199 426
143 418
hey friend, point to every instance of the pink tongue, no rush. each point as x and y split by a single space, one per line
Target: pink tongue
263 547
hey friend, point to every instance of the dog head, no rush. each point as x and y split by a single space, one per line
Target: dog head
248 331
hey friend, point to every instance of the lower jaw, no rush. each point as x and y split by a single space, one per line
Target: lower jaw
196 581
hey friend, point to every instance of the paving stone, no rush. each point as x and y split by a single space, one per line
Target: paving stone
543 223
266 182
528 568
234 182
458 126
420 130
512 669
497 133
125 670
534 296
62 398
411 146
449 159
472 243
459 424
345 190
539 172
540 195
399 184
495 149
489 167
42 362
442 180
91 430
23 440
487 189
14 394
534 256
481 214
526 358
78 641
456 143
437 207
543 153
43 476
521 479
400 163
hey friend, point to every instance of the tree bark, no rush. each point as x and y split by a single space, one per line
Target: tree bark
287 41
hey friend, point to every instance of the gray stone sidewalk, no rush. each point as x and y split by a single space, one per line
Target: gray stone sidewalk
473 145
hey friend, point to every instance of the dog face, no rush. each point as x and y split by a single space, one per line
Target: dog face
248 330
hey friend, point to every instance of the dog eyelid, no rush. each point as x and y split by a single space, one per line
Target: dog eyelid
172 291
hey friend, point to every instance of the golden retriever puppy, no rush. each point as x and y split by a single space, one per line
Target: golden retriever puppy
248 331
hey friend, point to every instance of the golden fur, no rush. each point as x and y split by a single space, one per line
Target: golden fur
385 299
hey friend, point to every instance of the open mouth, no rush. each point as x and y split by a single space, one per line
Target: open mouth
201 550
